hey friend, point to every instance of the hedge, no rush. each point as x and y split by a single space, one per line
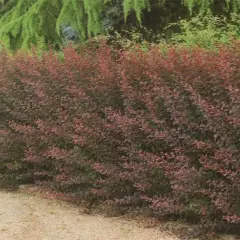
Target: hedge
151 129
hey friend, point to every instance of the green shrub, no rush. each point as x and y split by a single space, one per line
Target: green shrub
206 31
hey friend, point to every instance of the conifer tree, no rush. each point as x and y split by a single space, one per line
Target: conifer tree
39 22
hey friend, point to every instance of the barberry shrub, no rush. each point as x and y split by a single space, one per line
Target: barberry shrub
153 129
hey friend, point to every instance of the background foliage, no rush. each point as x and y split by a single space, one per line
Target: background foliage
42 22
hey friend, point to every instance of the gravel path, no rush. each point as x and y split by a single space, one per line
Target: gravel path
26 217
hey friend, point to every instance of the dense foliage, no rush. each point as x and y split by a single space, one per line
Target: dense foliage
206 31
42 22
152 129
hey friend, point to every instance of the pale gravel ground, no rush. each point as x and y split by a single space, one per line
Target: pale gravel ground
25 217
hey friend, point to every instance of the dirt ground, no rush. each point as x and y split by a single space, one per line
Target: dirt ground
27 217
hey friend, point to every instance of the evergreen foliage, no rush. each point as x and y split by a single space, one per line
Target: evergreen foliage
39 22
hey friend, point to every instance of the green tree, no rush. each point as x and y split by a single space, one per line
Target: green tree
40 22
